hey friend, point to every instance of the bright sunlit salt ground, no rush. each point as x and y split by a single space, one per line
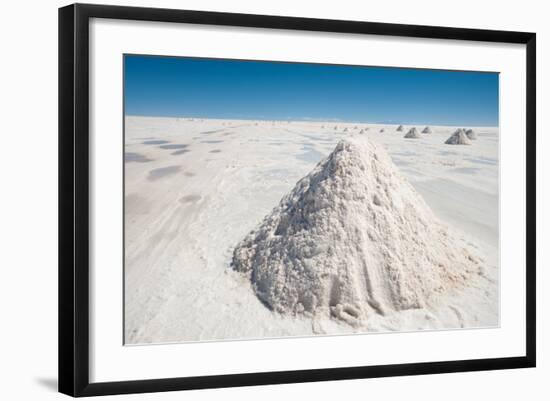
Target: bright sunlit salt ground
195 188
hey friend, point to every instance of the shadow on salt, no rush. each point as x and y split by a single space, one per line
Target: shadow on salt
155 142
180 152
162 172
173 146
190 198
136 157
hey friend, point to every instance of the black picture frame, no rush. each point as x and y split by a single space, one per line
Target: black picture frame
74 201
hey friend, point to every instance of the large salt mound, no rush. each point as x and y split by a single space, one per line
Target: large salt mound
353 238
458 138
413 133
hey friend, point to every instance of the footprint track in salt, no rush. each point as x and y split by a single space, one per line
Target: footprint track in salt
458 314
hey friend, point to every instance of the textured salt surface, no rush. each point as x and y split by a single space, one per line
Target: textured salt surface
178 283
353 239
311 155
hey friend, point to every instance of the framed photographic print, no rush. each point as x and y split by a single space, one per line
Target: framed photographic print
250 199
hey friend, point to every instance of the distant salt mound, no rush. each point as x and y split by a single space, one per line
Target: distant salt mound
427 130
413 133
471 134
458 138
400 128
381 129
352 239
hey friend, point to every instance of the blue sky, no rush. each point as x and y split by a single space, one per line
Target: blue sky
217 88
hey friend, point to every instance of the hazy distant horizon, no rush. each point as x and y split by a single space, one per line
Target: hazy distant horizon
315 121
262 90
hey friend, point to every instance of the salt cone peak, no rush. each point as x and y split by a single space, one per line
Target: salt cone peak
459 137
351 239
412 134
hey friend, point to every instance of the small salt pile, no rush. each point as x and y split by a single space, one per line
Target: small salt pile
412 134
458 138
400 128
427 130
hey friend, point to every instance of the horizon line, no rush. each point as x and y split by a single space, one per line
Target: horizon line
328 121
